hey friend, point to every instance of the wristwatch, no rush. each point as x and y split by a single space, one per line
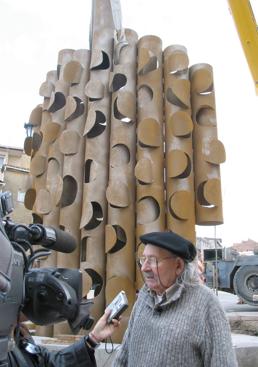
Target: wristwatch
90 342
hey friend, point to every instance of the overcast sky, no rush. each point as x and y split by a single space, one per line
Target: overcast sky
32 32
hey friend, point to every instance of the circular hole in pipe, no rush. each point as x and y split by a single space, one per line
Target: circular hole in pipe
36 218
148 210
119 116
36 141
84 248
120 239
206 116
188 169
119 81
145 95
87 175
99 125
97 216
69 191
96 280
120 155
78 111
201 198
105 62
59 102
30 198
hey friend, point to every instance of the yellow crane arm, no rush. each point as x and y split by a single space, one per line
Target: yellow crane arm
247 30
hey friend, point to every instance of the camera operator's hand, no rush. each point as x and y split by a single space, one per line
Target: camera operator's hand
103 329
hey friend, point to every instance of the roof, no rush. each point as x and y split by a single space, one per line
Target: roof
249 245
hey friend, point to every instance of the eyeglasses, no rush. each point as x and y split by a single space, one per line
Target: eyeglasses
152 261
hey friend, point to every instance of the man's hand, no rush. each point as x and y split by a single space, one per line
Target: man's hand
102 329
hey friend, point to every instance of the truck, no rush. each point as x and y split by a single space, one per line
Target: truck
227 270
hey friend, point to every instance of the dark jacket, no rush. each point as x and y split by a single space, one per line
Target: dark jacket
27 354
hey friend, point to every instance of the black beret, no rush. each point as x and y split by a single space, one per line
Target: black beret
172 242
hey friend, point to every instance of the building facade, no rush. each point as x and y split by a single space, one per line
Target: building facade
14 174
249 247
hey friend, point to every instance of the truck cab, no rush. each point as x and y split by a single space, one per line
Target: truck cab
227 270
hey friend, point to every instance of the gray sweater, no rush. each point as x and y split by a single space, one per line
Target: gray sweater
189 329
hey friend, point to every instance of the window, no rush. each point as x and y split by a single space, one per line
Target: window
2 159
20 196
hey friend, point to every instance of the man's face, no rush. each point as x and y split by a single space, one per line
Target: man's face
161 273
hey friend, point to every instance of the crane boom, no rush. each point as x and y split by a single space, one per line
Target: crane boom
246 25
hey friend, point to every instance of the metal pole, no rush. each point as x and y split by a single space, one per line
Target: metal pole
216 262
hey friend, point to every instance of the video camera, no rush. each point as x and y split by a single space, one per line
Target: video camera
44 295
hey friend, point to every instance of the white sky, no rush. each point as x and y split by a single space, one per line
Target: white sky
32 32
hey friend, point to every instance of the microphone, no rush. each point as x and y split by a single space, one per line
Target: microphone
48 237
53 238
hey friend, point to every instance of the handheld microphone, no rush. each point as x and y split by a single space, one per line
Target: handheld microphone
48 237
53 238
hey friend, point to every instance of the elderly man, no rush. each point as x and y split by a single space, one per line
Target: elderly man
176 321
